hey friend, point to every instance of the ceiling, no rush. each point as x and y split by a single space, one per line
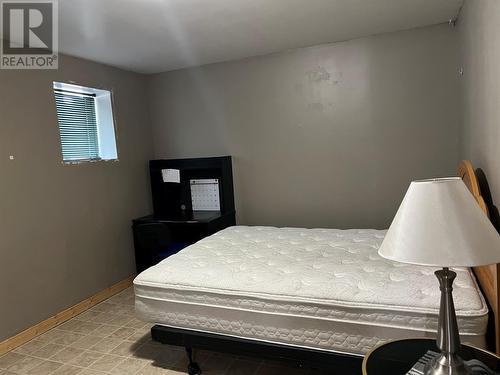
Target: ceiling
150 36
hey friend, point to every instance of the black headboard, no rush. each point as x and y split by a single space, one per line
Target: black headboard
169 198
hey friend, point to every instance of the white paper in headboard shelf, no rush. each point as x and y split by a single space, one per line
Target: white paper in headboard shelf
171 175
205 194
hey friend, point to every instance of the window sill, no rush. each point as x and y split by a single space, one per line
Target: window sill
92 161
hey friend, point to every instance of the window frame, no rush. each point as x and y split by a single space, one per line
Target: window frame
86 89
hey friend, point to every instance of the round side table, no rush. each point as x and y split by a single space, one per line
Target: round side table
398 357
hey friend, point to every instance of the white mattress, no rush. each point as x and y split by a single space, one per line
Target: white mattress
318 288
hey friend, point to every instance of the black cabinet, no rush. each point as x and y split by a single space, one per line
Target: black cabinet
172 199
157 238
174 224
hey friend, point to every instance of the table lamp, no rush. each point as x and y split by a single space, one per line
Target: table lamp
440 224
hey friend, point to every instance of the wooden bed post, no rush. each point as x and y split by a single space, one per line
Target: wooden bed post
487 276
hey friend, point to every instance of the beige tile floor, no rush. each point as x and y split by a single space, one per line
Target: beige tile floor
108 339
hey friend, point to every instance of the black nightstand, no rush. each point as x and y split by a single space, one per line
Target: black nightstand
156 238
398 357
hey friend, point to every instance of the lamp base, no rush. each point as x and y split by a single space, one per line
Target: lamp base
448 340
447 364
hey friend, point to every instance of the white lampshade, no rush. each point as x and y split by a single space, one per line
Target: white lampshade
439 223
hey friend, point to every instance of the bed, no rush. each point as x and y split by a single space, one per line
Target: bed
317 295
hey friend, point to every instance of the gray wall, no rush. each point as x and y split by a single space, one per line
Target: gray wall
479 36
328 136
65 229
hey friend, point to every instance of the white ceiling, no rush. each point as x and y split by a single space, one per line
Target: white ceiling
150 36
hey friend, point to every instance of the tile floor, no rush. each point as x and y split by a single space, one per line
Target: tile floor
108 339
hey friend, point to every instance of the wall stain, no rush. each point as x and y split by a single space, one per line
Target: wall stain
318 107
336 78
319 74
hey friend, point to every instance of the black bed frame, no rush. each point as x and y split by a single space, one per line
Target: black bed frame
309 358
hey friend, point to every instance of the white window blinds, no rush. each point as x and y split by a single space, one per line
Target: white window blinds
76 114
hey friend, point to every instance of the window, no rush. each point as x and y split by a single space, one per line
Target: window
86 125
